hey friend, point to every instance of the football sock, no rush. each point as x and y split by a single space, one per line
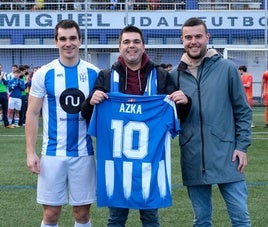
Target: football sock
48 225
88 224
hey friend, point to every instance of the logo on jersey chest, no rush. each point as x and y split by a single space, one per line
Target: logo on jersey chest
130 108
71 100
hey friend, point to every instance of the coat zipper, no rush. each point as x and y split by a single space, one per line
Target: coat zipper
201 119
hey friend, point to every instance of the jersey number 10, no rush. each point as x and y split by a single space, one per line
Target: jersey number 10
124 136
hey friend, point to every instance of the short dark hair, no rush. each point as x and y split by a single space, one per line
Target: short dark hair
169 65
131 28
22 67
194 21
67 24
243 68
17 71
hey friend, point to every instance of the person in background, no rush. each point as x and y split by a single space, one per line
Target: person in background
24 97
153 4
129 75
247 81
216 134
169 67
10 75
114 5
67 163
163 65
28 83
15 88
264 95
4 99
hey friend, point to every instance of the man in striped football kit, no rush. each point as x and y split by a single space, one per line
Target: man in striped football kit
67 160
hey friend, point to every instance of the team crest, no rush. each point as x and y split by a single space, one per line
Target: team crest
131 100
83 77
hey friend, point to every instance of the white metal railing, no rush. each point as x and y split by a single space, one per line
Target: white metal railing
94 5
131 5
242 5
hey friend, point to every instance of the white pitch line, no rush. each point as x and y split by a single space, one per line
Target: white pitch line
15 135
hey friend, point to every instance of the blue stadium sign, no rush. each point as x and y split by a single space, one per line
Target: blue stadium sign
150 20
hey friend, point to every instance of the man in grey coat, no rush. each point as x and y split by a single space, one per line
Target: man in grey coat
217 131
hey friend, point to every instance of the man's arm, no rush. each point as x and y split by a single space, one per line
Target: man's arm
31 133
262 87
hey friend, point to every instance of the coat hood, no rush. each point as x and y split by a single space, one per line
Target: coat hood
193 66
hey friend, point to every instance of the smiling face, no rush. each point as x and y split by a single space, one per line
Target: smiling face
131 49
195 40
68 43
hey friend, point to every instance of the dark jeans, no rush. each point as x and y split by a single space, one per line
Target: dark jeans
4 104
24 106
118 217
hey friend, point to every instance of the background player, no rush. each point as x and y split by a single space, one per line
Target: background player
15 88
264 94
247 81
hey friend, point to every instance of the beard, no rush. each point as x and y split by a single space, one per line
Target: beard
196 55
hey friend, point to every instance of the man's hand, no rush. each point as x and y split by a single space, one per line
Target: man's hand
33 163
242 158
97 97
179 97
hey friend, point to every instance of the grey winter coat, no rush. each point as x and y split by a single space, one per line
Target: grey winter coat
219 122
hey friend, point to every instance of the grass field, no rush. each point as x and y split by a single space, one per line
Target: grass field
18 207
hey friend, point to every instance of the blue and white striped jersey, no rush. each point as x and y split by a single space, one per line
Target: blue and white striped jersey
133 150
63 90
